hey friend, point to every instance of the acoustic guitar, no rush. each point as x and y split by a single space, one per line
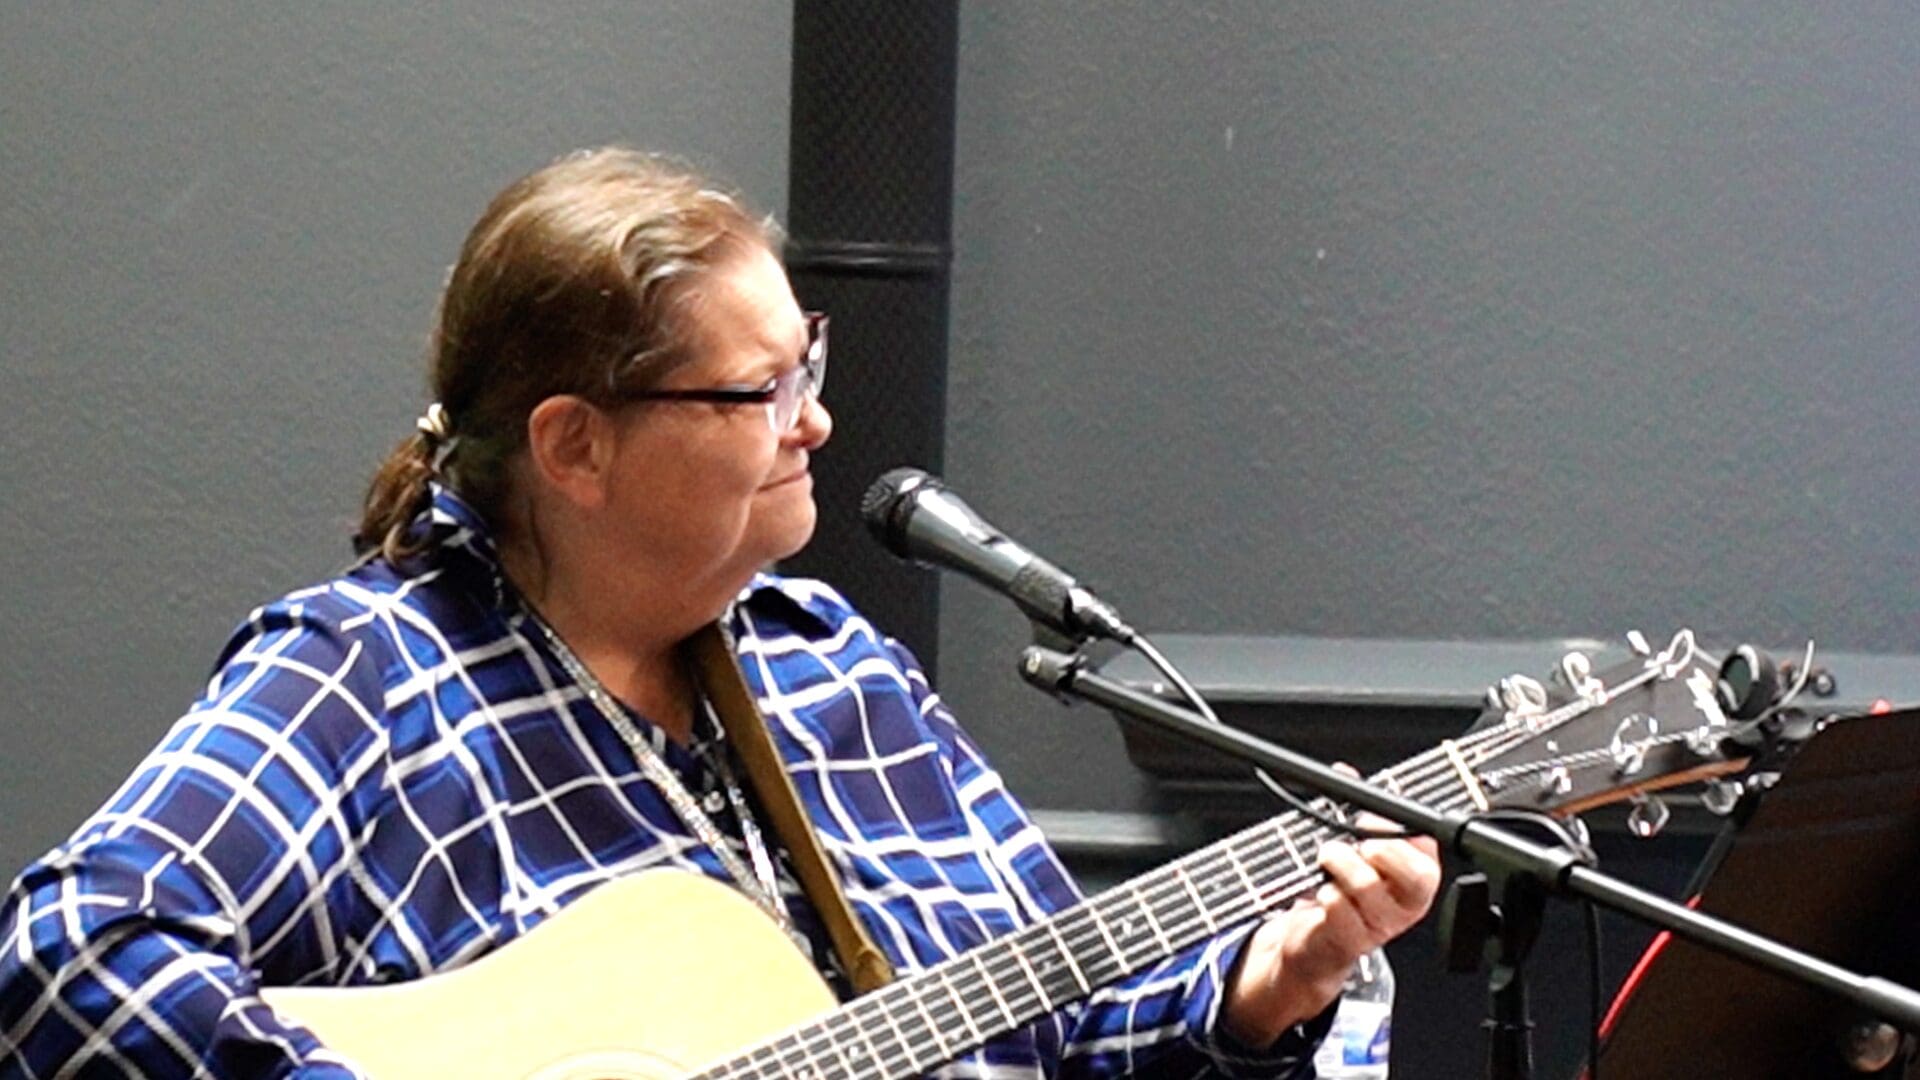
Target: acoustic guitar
668 974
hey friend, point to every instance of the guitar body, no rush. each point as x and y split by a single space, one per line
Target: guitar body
652 976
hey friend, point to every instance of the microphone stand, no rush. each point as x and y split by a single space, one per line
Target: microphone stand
1527 872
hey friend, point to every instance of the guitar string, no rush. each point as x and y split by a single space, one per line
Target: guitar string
1032 1001
944 1008
1033 998
1079 926
949 1007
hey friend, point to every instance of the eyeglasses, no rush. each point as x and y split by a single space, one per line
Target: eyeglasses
783 395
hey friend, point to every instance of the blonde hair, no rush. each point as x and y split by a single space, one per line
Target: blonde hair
574 281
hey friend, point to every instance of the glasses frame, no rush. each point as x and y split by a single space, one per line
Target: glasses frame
801 382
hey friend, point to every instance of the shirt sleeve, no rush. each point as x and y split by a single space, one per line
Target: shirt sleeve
137 948
1165 1018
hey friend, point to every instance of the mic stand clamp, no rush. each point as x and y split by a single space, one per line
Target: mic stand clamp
1050 665
1475 932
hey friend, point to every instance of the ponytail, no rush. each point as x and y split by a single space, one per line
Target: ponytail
399 491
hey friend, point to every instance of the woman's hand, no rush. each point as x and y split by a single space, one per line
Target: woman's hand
1297 960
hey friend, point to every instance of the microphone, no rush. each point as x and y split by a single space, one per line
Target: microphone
918 519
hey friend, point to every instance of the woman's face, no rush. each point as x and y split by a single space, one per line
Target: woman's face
703 489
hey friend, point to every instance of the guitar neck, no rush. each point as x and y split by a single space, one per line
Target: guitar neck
914 1024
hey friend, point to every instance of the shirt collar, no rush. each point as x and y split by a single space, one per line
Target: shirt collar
461 543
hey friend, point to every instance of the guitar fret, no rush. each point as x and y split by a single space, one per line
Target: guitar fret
873 1051
1293 850
1067 955
859 1020
1113 947
816 1064
1081 931
966 1014
1040 991
1240 868
899 1037
840 1052
1199 905
933 1029
755 1064
1240 897
1153 923
1128 924
994 989
784 1058
797 1048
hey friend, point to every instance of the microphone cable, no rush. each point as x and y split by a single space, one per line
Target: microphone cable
1139 643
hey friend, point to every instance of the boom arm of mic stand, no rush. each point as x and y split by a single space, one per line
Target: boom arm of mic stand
1496 849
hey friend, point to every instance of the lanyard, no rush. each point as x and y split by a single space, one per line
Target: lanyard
760 883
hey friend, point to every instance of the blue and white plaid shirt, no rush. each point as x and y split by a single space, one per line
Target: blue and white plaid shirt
387 777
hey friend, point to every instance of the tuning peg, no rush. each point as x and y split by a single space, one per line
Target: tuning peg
1575 673
1522 695
1578 827
1648 816
1704 742
1631 738
1556 781
1721 796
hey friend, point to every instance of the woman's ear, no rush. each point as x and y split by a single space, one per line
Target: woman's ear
570 445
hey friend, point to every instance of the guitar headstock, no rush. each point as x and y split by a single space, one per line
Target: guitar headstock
1587 738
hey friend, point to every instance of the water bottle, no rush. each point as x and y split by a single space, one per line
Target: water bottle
1356 1048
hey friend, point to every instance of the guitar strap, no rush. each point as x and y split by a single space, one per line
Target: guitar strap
726 689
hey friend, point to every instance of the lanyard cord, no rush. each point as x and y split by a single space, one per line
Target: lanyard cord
760 884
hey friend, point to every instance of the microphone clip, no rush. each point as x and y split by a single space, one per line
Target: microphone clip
1051 669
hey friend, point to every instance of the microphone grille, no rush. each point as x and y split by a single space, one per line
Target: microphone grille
887 497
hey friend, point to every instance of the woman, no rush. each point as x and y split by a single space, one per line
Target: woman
401 769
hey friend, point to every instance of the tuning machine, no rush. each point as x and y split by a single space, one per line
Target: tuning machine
1721 796
1574 673
1647 816
1518 697
1632 737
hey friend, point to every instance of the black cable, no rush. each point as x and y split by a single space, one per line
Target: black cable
1358 832
1172 674
1562 832
1593 988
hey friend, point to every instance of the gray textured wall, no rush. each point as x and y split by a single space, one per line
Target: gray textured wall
1457 320
225 227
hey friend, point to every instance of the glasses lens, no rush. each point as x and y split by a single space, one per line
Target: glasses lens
816 353
792 388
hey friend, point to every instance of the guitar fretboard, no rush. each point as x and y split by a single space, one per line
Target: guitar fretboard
914 1024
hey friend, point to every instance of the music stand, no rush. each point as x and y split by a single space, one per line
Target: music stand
1826 862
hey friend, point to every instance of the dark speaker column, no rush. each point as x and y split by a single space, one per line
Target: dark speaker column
870 215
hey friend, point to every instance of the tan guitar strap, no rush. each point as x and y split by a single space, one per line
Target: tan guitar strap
726 689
